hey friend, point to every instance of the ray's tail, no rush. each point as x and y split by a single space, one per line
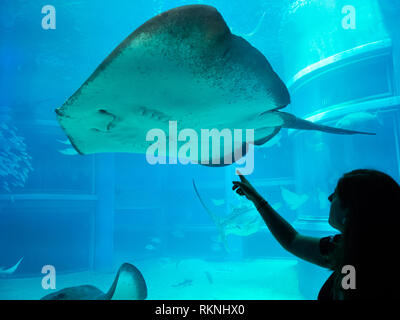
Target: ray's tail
210 213
214 218
292 122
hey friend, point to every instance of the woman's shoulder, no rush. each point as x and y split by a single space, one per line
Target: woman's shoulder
328 244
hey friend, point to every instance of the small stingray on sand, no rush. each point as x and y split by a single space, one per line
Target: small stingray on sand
243 220
128 284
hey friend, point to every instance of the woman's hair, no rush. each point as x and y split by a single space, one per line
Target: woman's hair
370 240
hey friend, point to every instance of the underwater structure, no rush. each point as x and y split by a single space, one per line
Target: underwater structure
325 86
86 212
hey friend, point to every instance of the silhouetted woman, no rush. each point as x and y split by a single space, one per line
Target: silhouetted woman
365 208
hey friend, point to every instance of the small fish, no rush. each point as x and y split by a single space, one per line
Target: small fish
150 247
17 184
209 278
185 283
155 240
218 202
256 29
67 142
68 152
6 187
292 199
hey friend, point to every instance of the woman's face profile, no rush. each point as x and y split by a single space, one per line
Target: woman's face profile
337 214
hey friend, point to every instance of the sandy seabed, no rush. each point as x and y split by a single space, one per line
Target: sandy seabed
182 279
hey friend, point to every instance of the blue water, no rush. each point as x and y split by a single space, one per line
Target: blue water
86 215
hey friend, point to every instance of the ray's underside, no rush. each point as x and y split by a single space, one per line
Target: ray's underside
183 65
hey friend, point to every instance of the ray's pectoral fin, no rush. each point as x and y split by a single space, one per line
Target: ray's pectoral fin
128 284
12 269
263 135
224 158
292 122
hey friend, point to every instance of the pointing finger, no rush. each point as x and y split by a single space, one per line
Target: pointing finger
242 177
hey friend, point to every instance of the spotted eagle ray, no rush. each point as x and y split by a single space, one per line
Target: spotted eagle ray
128 284
182 65
243 220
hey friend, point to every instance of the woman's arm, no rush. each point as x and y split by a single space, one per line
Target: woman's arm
304 247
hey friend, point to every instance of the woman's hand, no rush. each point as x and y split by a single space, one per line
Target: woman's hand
244 188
